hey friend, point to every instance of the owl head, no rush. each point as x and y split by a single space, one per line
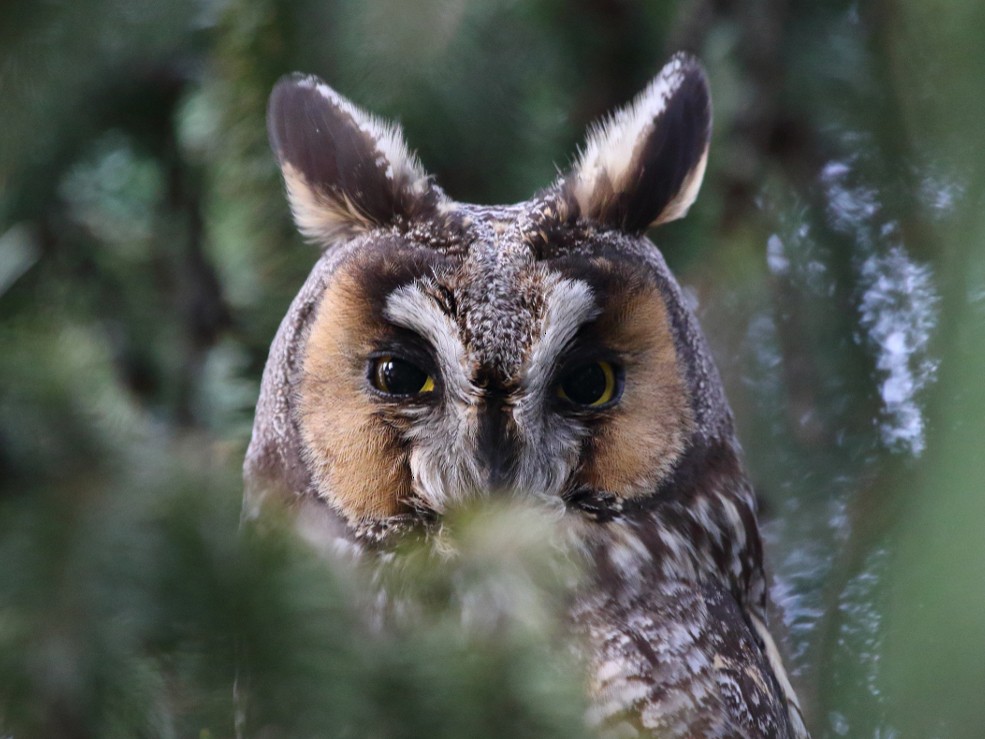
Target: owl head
442 351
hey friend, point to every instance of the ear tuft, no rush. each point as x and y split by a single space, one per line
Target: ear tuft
345 170
644 165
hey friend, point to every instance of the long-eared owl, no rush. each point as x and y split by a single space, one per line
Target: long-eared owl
441 351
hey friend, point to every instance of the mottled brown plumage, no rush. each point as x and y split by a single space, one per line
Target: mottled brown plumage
441 352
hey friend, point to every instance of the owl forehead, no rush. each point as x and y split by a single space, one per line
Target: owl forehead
500 289
488 294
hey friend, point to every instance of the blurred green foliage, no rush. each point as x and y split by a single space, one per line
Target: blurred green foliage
146 258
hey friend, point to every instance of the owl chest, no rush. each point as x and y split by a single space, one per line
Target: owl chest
670 649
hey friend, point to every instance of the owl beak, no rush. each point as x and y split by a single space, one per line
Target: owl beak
498 444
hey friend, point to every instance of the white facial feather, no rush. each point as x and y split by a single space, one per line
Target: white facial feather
543 467
411 307
443 461
568 305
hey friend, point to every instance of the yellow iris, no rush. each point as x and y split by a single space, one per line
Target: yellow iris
590 385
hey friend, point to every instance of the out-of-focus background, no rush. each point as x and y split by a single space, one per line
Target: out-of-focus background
836 257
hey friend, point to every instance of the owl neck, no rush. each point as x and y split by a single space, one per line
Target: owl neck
700 527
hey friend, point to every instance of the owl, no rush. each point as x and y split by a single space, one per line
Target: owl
441 351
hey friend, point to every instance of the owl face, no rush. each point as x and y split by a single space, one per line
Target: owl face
452 351
431 378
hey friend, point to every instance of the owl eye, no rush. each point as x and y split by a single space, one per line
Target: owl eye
592 384
395 376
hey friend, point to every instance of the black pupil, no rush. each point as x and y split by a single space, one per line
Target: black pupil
401 378
585 385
